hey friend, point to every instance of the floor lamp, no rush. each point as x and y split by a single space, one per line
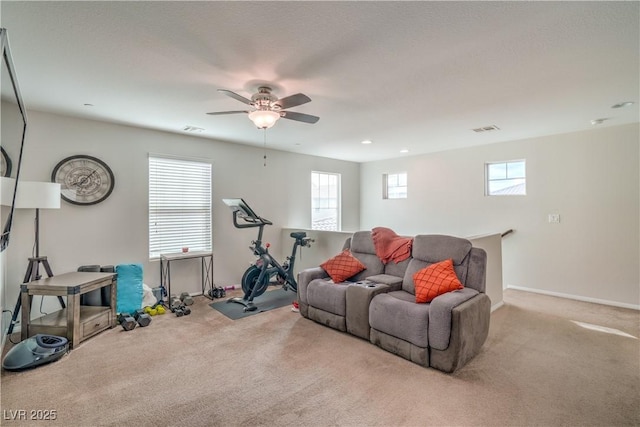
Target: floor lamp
35 195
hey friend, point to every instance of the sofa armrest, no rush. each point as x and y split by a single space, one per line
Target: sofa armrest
440 316
358 298
305 277
469 330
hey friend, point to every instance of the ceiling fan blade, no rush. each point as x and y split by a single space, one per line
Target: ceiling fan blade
300 117
293 101
235 96
218 113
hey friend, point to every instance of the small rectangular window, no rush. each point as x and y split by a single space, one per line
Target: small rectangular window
506 178
394 186
325 201
179 205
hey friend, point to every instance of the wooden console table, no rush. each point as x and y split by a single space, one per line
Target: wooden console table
75 322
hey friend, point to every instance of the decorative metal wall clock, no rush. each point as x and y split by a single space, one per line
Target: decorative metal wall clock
5 166
84 180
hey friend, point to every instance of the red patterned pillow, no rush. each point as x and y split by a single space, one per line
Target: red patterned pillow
342 266
437 279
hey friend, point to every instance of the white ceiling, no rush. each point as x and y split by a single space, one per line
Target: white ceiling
412 75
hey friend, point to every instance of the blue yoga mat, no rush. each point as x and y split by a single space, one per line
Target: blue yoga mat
129 295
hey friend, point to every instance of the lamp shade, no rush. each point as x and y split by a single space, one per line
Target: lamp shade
264 119
31 194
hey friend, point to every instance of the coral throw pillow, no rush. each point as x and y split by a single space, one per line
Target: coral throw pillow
342 266
434 280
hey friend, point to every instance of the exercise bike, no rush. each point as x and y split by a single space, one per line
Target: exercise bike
257 278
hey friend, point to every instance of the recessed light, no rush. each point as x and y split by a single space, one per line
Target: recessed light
404 150
597 121
88 105
367 141
623 104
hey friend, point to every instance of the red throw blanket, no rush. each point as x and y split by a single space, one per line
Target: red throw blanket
390 246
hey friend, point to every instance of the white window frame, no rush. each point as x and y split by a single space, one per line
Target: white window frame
517 180
180 208
334 203
391 187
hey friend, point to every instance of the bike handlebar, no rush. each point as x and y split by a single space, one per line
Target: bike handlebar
250 222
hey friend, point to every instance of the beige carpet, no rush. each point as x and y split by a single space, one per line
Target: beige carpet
277 368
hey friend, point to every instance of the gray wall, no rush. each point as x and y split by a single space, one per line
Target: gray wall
590 178
116 230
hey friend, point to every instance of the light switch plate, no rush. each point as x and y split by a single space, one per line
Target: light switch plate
554 218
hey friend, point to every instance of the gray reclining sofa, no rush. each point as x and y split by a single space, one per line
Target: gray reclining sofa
378 304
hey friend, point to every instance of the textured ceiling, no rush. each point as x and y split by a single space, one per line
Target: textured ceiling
406 75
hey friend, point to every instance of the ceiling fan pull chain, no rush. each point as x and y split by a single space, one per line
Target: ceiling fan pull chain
265 147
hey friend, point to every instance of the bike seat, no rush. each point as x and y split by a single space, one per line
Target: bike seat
298 235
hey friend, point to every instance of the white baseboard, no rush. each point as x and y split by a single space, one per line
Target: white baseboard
497 306
576 297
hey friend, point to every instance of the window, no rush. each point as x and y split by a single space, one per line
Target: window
179 205
506 178
394 186
325 201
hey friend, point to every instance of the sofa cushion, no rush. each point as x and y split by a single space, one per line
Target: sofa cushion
397 314
435 248
361 246
434 280
371 262
342 266
362 242
432 248
398 269
328 296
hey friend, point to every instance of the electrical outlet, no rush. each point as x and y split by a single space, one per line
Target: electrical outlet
554 218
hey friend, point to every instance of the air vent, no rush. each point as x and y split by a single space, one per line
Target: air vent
486 128
192 129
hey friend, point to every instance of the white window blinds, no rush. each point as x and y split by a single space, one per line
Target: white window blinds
179 205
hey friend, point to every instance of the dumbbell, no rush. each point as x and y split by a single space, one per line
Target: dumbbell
127 322
181 310
218 292
142 318
175 302
177 311
186 298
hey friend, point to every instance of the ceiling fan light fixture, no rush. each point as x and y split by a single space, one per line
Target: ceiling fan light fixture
264 119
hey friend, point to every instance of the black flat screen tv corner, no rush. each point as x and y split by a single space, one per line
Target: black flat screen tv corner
14 128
